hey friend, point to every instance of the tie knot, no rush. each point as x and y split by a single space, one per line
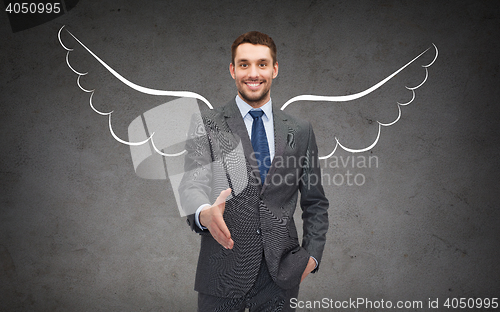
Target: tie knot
256 113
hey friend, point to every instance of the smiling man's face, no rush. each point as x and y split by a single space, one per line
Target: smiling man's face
253 72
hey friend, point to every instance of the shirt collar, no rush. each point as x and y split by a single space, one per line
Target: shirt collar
244 107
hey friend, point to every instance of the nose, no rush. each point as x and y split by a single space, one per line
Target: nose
254 72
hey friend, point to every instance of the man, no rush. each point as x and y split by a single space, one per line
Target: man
250 256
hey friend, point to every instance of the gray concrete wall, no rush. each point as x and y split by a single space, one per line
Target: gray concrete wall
79 231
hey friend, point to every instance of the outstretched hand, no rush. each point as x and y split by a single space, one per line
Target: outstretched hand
211 218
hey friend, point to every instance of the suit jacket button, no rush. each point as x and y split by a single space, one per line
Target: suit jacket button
258 231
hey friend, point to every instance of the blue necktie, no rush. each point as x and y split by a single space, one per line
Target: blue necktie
259 143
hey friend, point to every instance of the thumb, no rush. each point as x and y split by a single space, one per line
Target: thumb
222 198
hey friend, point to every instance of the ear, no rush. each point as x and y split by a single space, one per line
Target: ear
275 70
231 70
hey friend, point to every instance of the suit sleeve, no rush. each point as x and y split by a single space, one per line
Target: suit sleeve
195 187
313 202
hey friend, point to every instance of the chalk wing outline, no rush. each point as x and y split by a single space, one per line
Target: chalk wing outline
189 94
355 96
132 85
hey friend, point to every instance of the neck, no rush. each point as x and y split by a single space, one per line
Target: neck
256 104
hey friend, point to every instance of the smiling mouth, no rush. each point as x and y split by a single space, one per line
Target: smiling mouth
253 85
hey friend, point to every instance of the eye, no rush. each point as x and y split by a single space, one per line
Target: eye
244 65
262 65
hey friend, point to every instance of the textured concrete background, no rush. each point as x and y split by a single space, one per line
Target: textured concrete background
79 231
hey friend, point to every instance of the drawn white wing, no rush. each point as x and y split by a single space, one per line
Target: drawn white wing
189 94
141 89
352 97
149 160
148 154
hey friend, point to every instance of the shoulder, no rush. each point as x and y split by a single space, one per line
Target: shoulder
214 119
229 108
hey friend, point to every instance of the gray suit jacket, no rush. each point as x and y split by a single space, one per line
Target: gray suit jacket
259 217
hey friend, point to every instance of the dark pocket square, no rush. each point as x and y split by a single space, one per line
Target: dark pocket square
290 138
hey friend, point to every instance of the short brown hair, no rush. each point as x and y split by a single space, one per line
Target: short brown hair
254 37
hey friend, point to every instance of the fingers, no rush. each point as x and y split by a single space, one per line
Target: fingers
220 232
212 218
227 241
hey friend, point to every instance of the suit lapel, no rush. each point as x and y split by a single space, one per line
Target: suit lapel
280 141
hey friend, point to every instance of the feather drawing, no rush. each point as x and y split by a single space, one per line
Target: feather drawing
189 94
150 135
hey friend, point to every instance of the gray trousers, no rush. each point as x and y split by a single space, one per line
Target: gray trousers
264 296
